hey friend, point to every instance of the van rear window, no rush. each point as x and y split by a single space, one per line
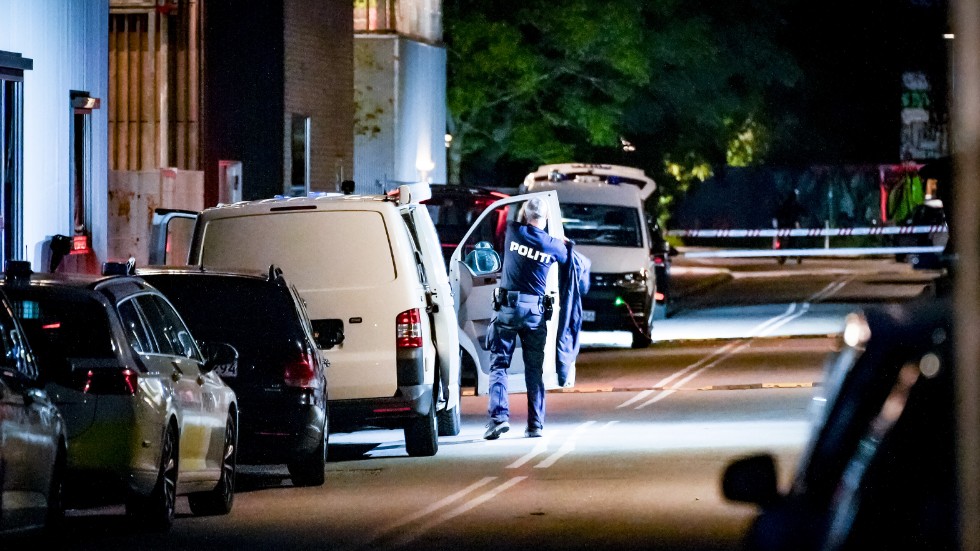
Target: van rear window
318 249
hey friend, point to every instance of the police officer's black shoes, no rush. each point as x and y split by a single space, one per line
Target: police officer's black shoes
533 433
494 430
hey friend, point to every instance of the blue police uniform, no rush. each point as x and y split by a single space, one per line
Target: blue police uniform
528 255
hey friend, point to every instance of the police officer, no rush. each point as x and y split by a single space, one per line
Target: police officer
522 312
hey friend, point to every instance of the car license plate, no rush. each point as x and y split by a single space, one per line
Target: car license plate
588 315
227 370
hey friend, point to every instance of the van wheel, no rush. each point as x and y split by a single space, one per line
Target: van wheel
421 438
448 419
640 340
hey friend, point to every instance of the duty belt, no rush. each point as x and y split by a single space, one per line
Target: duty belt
504 297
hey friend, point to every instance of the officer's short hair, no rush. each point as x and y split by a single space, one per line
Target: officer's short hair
534 209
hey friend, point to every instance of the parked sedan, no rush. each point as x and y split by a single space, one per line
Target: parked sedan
33 438
280 377
879 471
148 417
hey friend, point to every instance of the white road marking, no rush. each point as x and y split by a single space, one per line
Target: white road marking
540 448
414 534
567 447
729 349
448 500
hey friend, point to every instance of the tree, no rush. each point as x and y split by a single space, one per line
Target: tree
690 83
530 82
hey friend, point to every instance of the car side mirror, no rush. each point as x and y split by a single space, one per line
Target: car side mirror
219 354
328 333
751 479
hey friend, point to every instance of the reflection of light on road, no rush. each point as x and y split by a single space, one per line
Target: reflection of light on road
659 436
605 338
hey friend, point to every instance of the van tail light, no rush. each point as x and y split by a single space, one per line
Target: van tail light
106 381
408 329
301 371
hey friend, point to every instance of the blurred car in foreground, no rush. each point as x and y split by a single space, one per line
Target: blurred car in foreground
280 377
148 417
454 208
879 470
33 438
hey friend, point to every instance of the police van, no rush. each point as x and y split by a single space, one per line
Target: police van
602 209
399 329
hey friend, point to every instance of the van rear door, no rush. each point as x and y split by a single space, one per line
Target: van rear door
475 271
170 236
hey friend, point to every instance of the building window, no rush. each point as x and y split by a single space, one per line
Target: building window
414 18
12 67
299 181
80 162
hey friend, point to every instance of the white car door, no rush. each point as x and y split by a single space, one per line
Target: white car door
475 271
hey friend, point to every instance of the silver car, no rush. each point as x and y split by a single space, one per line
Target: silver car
148 417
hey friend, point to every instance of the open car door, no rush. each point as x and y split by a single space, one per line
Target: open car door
170 236
475 271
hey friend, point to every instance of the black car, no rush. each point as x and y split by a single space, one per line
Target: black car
280 378
454 208
879 471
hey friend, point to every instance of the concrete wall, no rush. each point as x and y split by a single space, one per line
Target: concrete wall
400 112
134 195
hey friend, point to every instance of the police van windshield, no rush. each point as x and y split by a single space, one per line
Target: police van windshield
606 225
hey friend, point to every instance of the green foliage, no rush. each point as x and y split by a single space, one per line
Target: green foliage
531 81
689 82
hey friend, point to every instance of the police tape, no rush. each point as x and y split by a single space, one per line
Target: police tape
811 232
799 253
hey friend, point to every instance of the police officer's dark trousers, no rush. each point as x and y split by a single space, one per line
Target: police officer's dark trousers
521 318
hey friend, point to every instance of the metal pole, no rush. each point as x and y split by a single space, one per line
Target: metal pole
965 21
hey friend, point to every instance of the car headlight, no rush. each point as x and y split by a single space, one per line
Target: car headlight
632 281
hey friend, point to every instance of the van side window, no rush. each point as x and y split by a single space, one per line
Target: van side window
416 247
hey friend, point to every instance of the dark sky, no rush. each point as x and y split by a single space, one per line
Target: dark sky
853 55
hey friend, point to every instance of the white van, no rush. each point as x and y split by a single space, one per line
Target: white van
603 213
391 320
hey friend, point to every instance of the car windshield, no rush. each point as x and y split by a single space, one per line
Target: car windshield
62 326
606 225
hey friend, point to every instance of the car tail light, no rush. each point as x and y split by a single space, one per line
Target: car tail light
408 329
301 371
106 381
658 296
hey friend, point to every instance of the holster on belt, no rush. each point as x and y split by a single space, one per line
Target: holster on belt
499 297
